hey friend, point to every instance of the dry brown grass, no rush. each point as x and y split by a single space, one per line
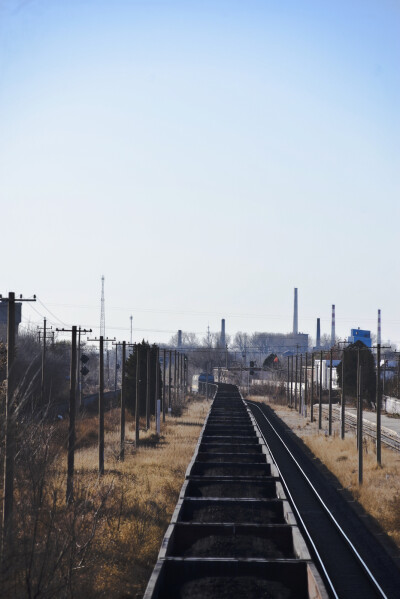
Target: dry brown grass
145 491
113 531
379 494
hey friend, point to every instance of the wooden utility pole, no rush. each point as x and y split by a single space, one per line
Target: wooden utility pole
330 395
10 423
72 414
378 404
295 386
8 497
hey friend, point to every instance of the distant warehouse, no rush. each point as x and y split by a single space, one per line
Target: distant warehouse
280 343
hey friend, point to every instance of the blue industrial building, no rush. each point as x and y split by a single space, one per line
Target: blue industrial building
359 335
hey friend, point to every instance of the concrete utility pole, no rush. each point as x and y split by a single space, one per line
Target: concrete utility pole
123 397
288 379
101 342
72 411
300 393
175 398
10 424
148 388
360 424
123 392
72 414
164 385
358 388
330 395
378 404
305 388
101 409
44 347
169 382
291 382
116 371
157 392
320 395
137 404
343 407
312 389
78 370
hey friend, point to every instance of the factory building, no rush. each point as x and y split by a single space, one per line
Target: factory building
360 335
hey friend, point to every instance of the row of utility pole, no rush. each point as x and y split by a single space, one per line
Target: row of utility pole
299 396
173 390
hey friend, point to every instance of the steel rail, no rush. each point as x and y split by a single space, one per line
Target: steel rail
325 507
368 428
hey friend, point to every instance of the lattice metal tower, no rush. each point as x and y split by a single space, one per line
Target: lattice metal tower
102 313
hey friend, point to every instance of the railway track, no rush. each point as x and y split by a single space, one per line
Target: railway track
354 563
388 437
249 524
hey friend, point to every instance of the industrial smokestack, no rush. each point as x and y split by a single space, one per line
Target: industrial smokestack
379 340
295 314
318 341
222 339
179 339
333 329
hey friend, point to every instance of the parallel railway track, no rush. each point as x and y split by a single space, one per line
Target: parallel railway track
388 438
354 563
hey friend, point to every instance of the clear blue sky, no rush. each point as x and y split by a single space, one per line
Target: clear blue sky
207 158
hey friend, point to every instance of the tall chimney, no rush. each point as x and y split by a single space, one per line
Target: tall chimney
379 339
318 340
295 314
179 339
333 329
222 338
